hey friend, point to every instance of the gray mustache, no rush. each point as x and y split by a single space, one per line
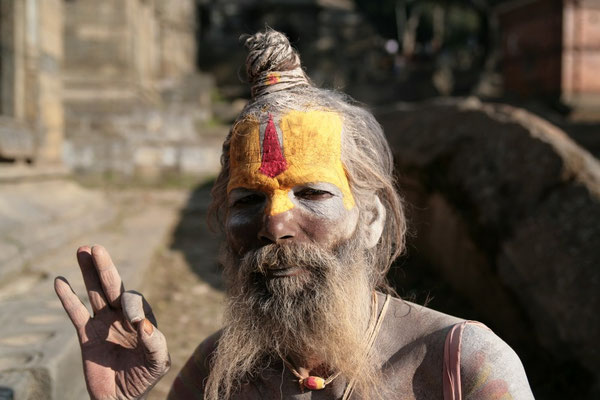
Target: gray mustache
277 256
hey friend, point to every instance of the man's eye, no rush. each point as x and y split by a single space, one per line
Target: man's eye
313 194
248 200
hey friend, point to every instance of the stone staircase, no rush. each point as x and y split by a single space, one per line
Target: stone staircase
41 225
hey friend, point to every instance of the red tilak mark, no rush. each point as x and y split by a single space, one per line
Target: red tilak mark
273 163
272 79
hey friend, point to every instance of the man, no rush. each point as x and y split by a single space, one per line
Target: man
306 198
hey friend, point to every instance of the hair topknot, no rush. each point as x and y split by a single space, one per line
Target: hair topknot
270 52
366 156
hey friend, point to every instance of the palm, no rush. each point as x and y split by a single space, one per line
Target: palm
121 359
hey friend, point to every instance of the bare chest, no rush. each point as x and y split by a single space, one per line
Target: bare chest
411 373
408 352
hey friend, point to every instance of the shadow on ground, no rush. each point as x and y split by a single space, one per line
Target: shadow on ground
198 243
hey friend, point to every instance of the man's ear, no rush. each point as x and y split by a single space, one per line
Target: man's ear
374 222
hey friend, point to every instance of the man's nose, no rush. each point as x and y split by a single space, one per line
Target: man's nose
278 228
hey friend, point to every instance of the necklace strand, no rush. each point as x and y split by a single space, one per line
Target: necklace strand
350 386
316 382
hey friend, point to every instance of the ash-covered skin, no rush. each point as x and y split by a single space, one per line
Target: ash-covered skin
318 216
317 211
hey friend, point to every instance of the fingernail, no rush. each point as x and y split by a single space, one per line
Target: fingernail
147 327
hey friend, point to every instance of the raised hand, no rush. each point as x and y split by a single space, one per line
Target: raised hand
123 352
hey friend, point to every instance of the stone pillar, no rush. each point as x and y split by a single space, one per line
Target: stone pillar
177 25
143 33
12 21
30 77
5 57
99 46
49 23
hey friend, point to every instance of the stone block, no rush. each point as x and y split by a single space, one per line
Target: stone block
200 160
35 224
506 211
147 157
16 141
169 156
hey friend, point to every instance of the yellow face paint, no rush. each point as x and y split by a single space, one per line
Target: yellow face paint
275 156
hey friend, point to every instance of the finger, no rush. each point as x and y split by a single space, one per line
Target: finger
155 348
109 276
136 308
75 309
149 313
91 279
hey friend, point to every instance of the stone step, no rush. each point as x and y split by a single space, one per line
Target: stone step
38 216
39 353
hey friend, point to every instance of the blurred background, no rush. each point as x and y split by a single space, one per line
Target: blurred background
112 115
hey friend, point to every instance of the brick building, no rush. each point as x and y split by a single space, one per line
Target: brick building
552 48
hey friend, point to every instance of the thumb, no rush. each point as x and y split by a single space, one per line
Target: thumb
154 345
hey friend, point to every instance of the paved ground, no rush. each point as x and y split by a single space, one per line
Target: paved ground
184 287
157 251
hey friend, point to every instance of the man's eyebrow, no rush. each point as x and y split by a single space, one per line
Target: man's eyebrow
241 191
321 185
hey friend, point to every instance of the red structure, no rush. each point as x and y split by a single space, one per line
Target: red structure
552 48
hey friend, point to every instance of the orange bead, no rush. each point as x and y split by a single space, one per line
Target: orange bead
314 383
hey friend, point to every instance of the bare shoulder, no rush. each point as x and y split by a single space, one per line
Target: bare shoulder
411 326
414 321
190 381
490 368
411 344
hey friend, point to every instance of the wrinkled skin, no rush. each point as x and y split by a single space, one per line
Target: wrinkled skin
123 353
318 216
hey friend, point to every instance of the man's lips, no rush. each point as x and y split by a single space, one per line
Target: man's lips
283 272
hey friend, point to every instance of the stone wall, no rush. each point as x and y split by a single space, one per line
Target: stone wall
117 46
110 50
505 210
144 140
134 105
176 25
105 87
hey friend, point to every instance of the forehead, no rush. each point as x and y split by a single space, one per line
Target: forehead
280 151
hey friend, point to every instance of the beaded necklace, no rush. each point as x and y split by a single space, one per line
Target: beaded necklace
316 382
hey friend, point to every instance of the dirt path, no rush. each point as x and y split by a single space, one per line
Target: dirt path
184 286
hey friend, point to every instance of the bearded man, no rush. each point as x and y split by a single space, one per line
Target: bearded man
307 200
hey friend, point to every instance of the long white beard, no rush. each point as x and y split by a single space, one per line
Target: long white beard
323 311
